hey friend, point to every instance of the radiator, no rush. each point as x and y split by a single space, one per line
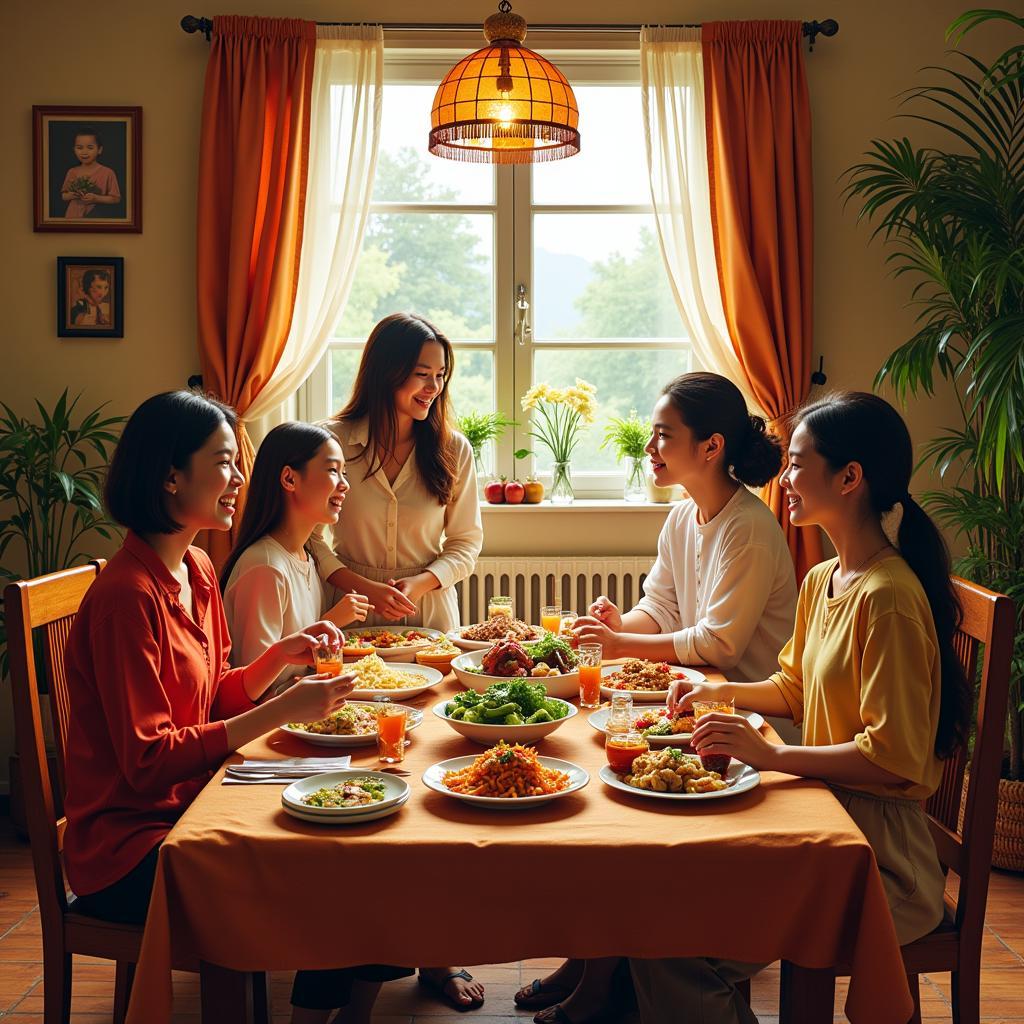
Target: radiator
570 582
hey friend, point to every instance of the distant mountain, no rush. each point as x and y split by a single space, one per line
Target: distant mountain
559 278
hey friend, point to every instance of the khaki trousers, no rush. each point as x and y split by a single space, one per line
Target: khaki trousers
692 990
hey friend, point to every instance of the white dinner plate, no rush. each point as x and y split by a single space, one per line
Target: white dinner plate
455 635
352 819
740 779
414 719
405 653
578 778
395 789
431 677
649 696
599 721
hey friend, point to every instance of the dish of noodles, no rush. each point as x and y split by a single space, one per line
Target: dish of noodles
506 775
374 674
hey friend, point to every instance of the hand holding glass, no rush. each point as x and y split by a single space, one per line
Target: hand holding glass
589 664
714 762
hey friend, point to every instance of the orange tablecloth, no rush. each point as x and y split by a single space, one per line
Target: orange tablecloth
779 872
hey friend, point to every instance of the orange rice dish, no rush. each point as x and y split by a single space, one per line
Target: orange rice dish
506 772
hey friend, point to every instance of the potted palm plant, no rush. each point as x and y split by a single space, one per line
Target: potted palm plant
953 220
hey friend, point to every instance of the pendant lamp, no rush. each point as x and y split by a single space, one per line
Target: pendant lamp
504 104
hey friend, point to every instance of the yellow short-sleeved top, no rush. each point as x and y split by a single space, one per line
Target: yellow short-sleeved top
864 666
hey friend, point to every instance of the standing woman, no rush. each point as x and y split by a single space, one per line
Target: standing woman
155 707
411 525
870 668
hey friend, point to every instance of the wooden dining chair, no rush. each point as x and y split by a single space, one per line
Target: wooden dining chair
964 846
50 603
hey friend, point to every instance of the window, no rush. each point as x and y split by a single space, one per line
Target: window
454 241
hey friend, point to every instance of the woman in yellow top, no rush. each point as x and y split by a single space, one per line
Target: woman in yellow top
870 670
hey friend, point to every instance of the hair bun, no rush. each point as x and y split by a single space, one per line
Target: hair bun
760 455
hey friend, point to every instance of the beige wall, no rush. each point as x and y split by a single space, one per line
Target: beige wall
135 54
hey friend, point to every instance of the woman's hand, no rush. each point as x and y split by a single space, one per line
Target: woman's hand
297 649
315 697
605 611
352 607
733 735
590 630
682 693
388 601
414 587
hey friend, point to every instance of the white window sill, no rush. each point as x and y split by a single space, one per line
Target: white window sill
581 505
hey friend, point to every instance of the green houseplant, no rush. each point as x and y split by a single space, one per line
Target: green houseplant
953 220
50 473
629 438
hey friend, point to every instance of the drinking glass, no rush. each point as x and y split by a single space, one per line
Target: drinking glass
589 656
499 605
391 722
714 762
327 657
551 618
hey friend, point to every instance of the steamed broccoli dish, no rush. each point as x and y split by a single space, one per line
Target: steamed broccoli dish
516 702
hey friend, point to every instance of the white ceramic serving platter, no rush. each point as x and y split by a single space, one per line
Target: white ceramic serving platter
599 721
578 778
649 696
455 635
395 789
413 721
431 677
741 778
562 686
488 735
406 653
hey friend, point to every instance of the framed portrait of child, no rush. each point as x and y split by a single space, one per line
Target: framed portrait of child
90 297
87 168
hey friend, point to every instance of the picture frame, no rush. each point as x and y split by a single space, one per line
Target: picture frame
90 297
87 169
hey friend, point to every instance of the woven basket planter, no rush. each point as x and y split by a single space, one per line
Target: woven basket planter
1008 844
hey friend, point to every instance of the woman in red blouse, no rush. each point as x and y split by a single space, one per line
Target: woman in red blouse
155 707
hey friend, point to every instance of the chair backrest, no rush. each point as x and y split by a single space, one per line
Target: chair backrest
988 625
49 603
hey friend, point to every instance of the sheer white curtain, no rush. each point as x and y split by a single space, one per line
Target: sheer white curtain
677 157
348 82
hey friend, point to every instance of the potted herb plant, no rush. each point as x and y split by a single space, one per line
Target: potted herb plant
629 439
953 219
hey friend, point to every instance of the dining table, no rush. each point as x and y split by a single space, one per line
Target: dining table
777 872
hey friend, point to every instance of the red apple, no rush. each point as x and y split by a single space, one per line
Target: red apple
514 492
494 492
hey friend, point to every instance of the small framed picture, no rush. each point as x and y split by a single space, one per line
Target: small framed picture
90 297
87 168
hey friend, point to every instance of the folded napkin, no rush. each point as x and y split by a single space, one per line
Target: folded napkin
286 770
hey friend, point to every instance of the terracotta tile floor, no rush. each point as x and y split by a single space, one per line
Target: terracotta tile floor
21 1000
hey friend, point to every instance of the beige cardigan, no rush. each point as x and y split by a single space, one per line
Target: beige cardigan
397 530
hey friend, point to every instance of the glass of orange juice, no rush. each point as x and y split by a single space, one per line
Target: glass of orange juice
551 618
327 658
391 722
589 661
715 762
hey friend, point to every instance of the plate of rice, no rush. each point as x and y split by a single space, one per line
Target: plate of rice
376 678
353 725
647 681
483 635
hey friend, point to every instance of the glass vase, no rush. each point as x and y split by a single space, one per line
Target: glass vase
481 473
636 479
561 484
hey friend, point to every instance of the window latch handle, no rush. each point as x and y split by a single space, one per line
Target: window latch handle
523 328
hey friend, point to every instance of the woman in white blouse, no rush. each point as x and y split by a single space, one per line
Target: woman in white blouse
722 592
411 526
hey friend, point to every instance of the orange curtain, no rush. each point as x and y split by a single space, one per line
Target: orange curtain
759 162
251 198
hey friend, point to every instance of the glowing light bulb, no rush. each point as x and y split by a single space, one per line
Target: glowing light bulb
505 116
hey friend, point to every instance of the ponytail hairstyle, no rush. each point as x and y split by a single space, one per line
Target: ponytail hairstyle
854 426
389 359
711 404
289 444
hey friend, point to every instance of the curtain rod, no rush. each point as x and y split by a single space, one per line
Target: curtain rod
811 29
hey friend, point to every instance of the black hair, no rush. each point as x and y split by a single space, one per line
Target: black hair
288 444
89 129
711 404
389 359
162 434
90 275
854 426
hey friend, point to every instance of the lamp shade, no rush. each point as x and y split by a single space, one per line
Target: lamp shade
504 104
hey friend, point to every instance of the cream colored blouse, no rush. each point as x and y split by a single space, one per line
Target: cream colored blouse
390 531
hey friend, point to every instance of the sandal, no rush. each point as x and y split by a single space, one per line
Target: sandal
541 996
439 988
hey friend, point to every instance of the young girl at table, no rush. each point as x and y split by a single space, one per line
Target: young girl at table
870 669
411 528
722 591
154 706
270 580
